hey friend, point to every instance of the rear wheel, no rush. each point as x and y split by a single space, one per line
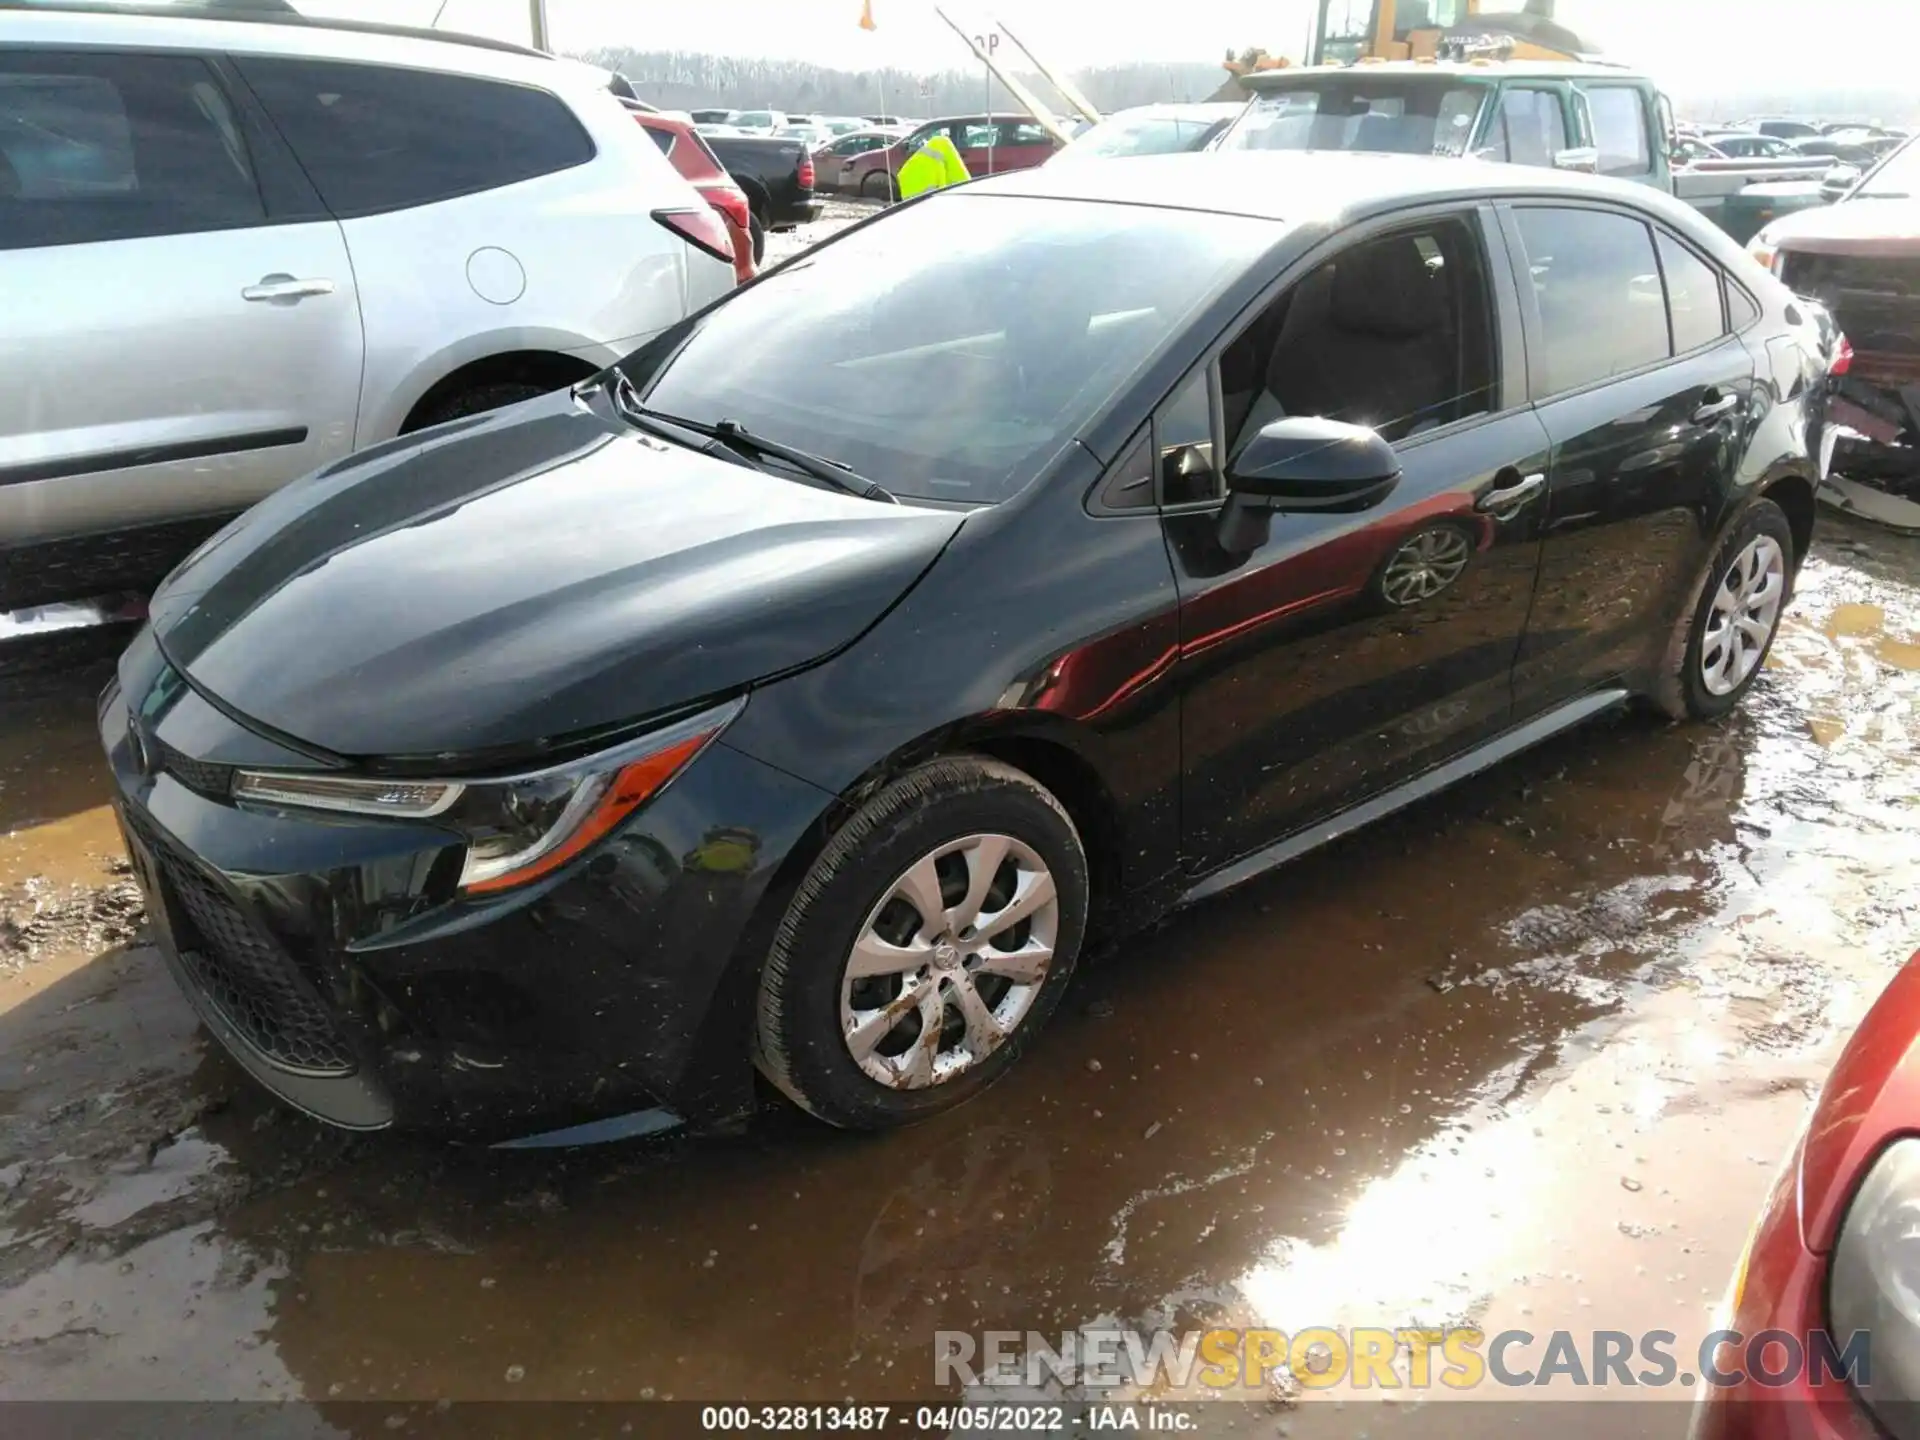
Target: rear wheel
473 401
928 945
1718 649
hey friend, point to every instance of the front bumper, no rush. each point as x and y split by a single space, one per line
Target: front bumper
333 959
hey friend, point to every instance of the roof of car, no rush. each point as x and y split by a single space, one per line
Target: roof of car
1298 186
1466 69
1183 107
273 30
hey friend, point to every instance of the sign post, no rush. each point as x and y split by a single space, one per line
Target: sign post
986 44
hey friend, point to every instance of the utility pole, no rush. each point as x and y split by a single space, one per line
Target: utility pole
538 15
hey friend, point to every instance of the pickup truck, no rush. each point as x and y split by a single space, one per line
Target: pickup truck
1599 118
777 178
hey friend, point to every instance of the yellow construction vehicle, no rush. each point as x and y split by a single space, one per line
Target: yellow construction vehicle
1346 32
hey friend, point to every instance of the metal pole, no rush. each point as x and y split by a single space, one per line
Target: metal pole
538 15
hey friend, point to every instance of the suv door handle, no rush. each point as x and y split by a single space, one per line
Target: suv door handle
1717 403
1505 501
285 287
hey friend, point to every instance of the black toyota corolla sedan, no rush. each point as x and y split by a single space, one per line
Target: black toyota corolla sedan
801 694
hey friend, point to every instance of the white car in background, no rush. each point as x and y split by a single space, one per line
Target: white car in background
1151 130
234 250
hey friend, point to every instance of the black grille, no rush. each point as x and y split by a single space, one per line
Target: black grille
212 780
244 973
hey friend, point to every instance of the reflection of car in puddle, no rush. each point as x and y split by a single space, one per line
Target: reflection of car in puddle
1708 792
957 1227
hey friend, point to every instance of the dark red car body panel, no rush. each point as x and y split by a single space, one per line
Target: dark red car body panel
697 166
1871 1098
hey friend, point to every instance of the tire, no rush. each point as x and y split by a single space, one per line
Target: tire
876 185
1696 682
759 233
809 1007
473 401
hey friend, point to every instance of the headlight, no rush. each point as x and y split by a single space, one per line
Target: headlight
1875 1282
522 826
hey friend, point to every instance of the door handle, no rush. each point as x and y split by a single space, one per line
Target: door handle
285 287
1713 409
1505 501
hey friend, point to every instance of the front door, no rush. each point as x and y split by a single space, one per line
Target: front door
1350 651
1646 397
173 347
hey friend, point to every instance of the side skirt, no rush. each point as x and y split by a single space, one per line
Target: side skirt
1491 753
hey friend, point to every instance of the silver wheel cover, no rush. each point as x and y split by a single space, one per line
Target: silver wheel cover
1741 620
948 964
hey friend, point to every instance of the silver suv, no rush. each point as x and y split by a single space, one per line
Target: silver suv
233 250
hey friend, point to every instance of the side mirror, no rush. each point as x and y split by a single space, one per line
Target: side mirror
1303 464
1586 160
1838 181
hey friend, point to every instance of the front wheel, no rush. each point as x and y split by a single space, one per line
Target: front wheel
1718 649
877 185
925 949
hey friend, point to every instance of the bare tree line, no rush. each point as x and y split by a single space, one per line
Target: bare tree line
688 80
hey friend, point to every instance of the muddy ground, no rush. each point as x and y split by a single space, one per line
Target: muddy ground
1526 1055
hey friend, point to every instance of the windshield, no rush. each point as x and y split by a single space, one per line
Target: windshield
1898 177
1401 115
1139 135
950 350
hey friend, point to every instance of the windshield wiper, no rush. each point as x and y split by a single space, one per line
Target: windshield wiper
737 438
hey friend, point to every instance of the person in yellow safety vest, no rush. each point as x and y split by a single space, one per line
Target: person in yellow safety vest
933 166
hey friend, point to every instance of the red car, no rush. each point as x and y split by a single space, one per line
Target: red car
1827 1298
696 163
989 144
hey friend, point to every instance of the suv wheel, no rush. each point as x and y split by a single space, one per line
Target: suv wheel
1718 648
474 401
928 945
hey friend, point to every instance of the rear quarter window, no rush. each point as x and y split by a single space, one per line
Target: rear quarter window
376 138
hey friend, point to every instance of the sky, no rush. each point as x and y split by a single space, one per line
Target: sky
1681 43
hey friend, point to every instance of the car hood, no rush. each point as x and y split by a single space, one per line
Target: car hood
540 572
1853 227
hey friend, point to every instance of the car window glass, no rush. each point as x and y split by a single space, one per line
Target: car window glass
1597 284
1529 128
1361 112
661 138
973 137
112 147
1130 485
1620 130
1395 333
1693 296
950 351
1741 311
1023 133
1183 439
379 138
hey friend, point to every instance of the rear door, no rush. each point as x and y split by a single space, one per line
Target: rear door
1022 144
180 332
459 253
1646 397
976 141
